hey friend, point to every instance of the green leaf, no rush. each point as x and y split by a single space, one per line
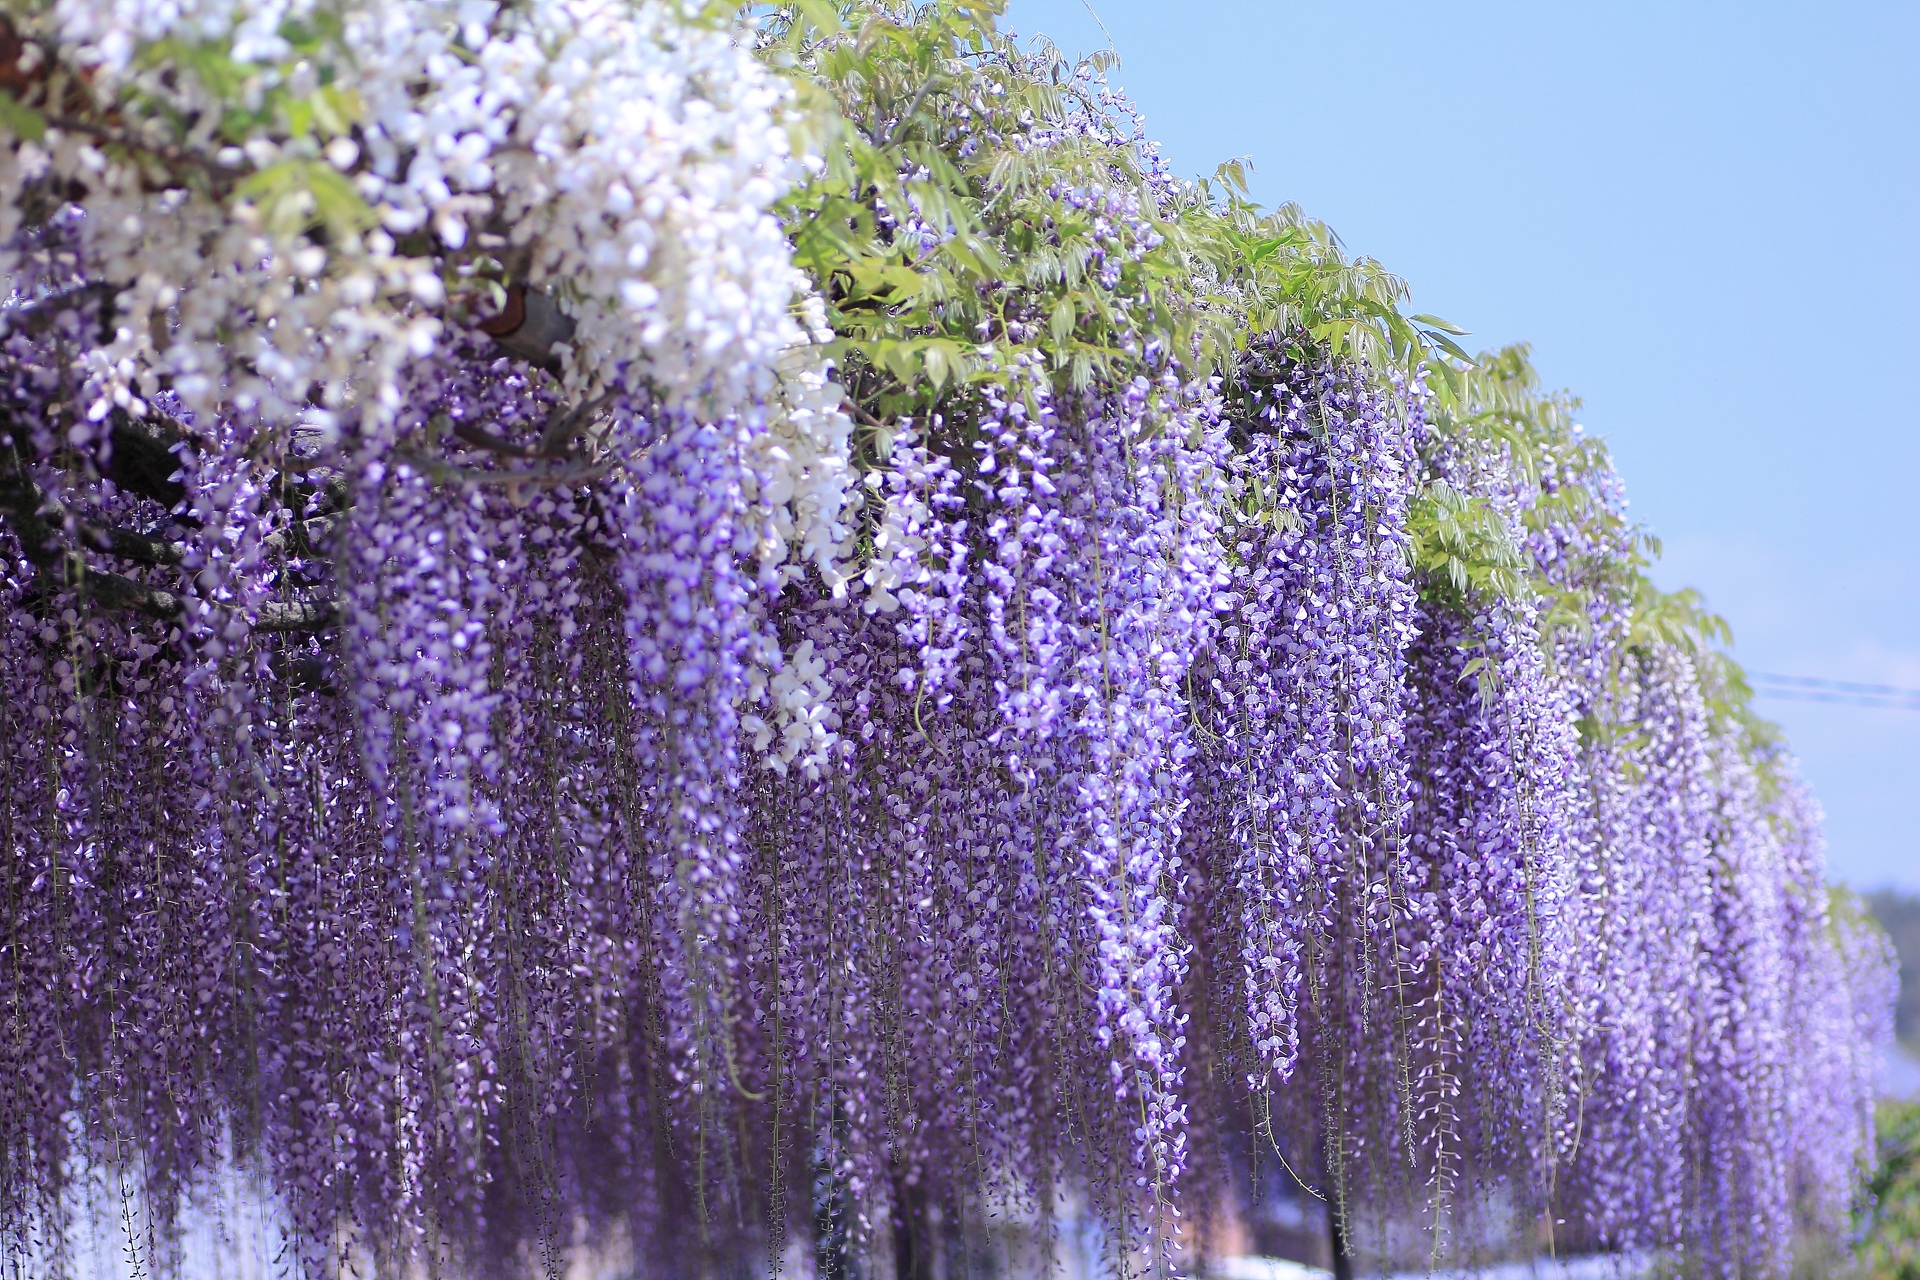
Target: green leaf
296 195
901 360
1060 323
312 32
337 110
209 62
821 16
937 365
299 116
1448 345
1232 174
1435 322
21 120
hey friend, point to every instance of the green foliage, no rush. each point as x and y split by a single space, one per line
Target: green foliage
1281 277
297 195
886 92
888 89
194 90
1675 619
1494 408
1463 548
21 120
303 95
1889 1219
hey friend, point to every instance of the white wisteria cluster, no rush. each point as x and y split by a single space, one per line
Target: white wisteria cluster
623 157
641 159
391 163
806 496
801 481
807 502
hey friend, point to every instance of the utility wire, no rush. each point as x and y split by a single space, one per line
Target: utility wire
1848 686
1836 699
1846 693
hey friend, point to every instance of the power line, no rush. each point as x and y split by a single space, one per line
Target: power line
1836 699
1846 686
1845 693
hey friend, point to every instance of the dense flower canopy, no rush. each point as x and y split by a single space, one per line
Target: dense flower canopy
759 641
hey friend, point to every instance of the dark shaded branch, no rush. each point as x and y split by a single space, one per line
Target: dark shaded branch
556 437
60 565
121 594
36 85
302 537
25 508
221 179
331 495
41 314
311 672
467 433
22 500
529 326
297 615
562 427
129 545
574 471
142 459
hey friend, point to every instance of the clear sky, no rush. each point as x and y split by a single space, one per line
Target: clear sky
1705 217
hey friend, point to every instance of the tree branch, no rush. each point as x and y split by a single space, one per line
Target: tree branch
529 326
302 537
297 615
142 458
115 591
467 433
562 427
129 545
36 317
577 470
63 568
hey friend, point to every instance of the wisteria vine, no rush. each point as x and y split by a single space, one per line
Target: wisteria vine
751 641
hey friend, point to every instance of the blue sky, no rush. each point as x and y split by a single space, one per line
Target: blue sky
1706 220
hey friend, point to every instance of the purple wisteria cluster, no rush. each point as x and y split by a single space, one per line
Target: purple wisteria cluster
1388 797
1206 767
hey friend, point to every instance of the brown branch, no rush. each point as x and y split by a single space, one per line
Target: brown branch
124 595
559 434
64 569
529 326
36 317
330 497
142 458
61 96
130 545
297 615
224 179
467 433
576 471
116 592
302 537
24 501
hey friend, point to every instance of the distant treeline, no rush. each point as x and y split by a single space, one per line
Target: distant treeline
1899 914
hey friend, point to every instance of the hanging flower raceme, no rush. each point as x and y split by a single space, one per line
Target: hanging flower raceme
1306 704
